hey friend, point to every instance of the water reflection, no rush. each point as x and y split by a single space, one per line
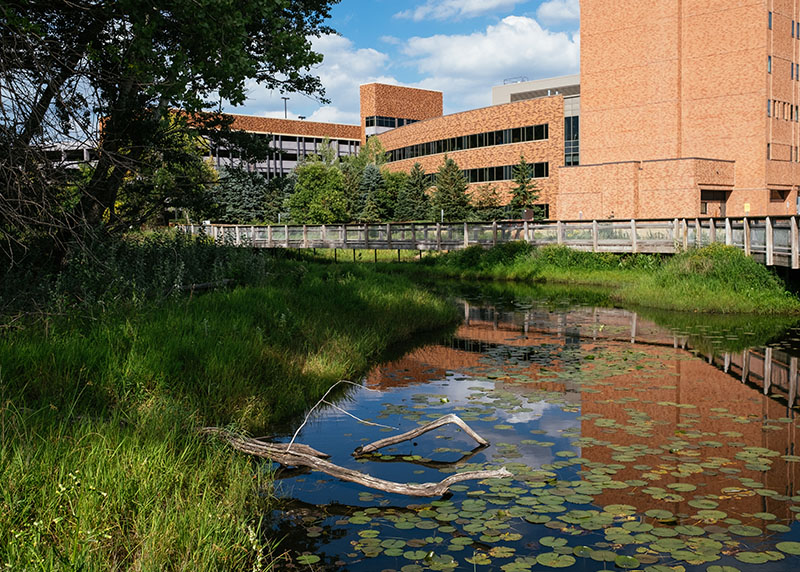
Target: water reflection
599 406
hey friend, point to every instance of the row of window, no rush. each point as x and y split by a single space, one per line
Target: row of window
783 110
795 26
391 122
504 173
488 139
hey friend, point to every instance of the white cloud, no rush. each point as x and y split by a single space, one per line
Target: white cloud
465 67
557 12
447 9
342 71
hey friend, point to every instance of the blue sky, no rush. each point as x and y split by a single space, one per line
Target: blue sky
459 47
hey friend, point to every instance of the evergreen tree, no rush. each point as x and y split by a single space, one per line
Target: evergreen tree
351 184
525 192
486 201
393 184
372 186
450 199
412 200
371 212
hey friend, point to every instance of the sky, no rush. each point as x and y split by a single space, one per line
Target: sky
459 47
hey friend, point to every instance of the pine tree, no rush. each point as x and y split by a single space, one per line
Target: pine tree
486 201
450 199
412 201
371 190
525 193
371 212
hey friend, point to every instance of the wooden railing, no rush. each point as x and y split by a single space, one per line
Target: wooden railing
773 241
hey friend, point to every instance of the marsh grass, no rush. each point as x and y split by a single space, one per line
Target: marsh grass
716 278
100 465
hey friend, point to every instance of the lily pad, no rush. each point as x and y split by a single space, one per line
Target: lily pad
789 547
555 560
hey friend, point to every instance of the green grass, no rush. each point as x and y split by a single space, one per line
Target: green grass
716 278
100 465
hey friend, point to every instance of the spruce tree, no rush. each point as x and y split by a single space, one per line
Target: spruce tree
412 200
450 199
371 190
525 193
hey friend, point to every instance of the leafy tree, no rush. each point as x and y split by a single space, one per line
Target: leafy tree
64 64
351 184
486 201
318 196
450 199
525 192
412 200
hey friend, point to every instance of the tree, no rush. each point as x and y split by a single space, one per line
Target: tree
393 184
372 190
450 200
318 196
525 192
65 64
244 197
486 201
412 200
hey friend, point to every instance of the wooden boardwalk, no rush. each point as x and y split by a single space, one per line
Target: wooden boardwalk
773 241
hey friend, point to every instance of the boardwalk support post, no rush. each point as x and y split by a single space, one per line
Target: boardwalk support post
712 231
466 235
685 232
494 233
439 236
634 238
698 233
795 244
728 232
595 236
560 232
305 236
388 236
770 238
746 224
269 237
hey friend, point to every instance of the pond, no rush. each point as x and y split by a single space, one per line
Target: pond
642 441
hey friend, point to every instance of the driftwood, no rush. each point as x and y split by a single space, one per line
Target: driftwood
299 455
446 420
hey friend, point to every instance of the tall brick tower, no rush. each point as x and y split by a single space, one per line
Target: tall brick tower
683 80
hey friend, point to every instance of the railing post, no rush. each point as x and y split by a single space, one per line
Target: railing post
712 230
676 230
767 370
344 235
237 235
366 235
795 244
560 232
466 235
286 235
253 235
634 238
438 236
305 236
269 237
595 236
525 230
494 233
324 236
414 235
685 231
792 381
770 238
388 236
214 232
728 232
698 233
746 225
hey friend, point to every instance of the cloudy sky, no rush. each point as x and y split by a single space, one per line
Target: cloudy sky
459 47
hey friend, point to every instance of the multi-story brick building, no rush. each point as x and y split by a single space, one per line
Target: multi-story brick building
291 141
683 108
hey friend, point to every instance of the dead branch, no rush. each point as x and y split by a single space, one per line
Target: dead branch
298 455
446 420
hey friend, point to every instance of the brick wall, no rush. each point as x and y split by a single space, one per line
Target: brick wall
549 110
255 124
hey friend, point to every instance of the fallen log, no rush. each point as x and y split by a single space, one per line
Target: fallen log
299 455
446 420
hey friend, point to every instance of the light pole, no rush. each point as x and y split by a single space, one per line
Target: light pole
285 108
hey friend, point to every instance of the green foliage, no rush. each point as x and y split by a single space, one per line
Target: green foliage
319 196
372 191
412 199
393 184
351 185
524 193
101 461
450 199
486 201
244 197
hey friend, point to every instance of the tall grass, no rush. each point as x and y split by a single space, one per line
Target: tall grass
716 278
100 464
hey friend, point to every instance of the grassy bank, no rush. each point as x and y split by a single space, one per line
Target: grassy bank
100 465
716 278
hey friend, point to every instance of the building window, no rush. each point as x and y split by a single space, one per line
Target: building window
777 196
769 64
769 108
770 20
769 151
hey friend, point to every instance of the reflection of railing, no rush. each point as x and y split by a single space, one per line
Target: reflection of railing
770 240
773 371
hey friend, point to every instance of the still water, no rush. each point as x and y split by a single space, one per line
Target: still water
643 441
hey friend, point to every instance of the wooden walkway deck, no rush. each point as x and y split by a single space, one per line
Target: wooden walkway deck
773 241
